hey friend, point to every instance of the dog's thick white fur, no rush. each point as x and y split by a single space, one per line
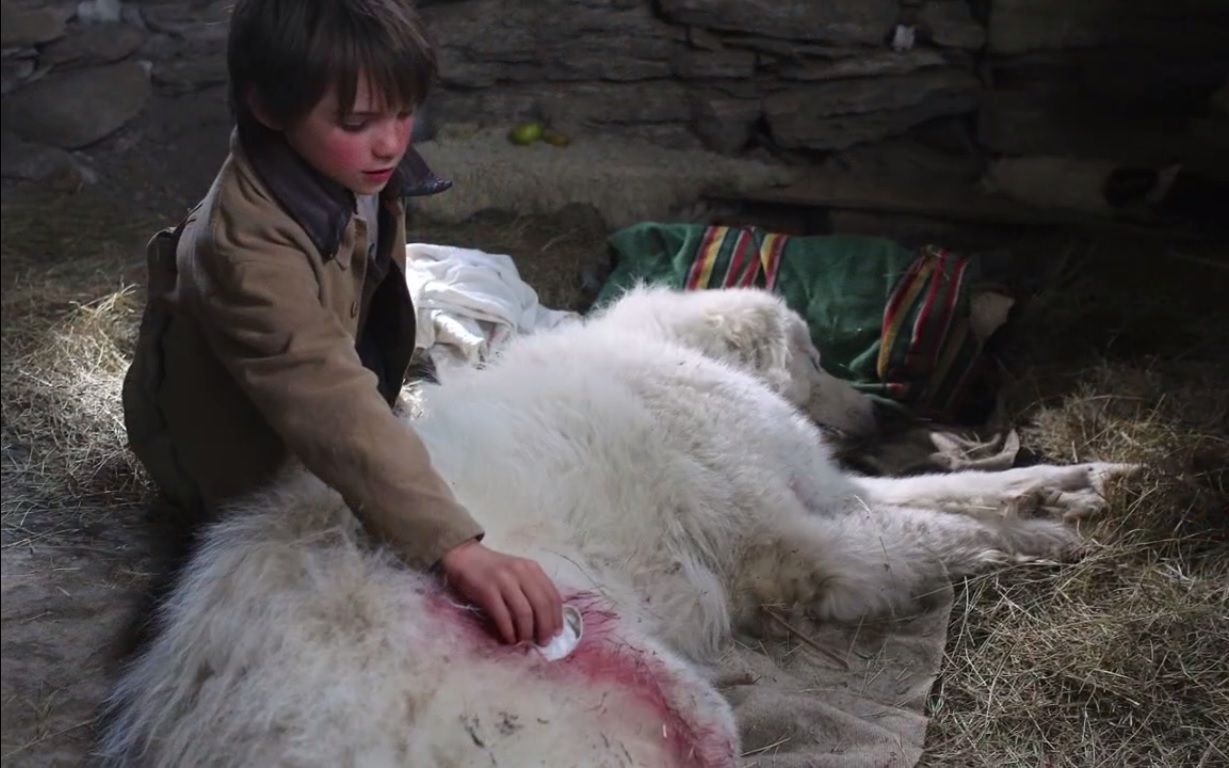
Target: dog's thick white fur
656 461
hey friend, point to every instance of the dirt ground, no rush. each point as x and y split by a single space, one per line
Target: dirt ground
1113 373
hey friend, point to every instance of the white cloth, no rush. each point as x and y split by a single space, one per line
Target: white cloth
562 644
469 302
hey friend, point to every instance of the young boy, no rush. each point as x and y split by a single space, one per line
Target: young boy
279 324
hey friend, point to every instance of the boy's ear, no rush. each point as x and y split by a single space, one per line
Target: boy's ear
257 108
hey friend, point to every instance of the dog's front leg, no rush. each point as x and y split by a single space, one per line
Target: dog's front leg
1069 491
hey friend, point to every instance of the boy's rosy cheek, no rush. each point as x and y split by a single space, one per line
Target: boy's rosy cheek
346 150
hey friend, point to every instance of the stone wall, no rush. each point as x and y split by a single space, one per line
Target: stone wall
74 73
1124 79
803 75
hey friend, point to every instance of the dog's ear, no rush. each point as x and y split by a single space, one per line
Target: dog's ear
798 337
753 334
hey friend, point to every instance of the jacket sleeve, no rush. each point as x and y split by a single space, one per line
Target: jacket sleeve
262 315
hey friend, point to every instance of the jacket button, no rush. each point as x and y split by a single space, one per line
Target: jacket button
354 309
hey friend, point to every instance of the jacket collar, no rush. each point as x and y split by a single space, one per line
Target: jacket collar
321 206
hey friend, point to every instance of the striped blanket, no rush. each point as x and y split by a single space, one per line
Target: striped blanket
893 321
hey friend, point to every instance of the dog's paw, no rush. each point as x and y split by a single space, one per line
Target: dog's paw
1053 503
1070 493
1030 540
1101 474
1091 476
1090 495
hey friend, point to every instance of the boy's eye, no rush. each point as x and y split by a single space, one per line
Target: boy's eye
356 124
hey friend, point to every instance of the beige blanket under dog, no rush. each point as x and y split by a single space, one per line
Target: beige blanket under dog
834 697
797 706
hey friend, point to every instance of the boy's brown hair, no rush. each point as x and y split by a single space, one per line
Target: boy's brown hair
288 53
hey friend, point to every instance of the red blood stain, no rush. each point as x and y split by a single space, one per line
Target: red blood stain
603 656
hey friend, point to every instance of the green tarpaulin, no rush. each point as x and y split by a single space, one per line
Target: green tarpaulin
891 320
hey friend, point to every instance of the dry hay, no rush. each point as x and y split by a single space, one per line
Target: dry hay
69 319
1118 660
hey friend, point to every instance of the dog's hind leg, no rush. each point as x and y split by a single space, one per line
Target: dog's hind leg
881 560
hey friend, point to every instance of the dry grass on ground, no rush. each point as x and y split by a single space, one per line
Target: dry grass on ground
1116 661
69 311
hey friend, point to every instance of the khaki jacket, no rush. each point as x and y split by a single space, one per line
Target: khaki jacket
271 334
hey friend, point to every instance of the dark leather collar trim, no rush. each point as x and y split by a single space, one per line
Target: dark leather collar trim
416 179
321 206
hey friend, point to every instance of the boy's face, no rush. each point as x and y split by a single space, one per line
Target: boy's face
359 150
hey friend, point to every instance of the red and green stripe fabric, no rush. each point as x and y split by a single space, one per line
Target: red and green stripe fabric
890 320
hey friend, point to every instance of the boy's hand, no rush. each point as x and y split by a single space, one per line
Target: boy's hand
514 592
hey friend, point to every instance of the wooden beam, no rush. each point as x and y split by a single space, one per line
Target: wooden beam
941 200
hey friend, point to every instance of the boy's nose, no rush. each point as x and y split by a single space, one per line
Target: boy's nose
387 142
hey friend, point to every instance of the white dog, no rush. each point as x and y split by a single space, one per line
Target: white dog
656 460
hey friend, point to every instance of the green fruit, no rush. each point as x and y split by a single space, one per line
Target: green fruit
525 133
